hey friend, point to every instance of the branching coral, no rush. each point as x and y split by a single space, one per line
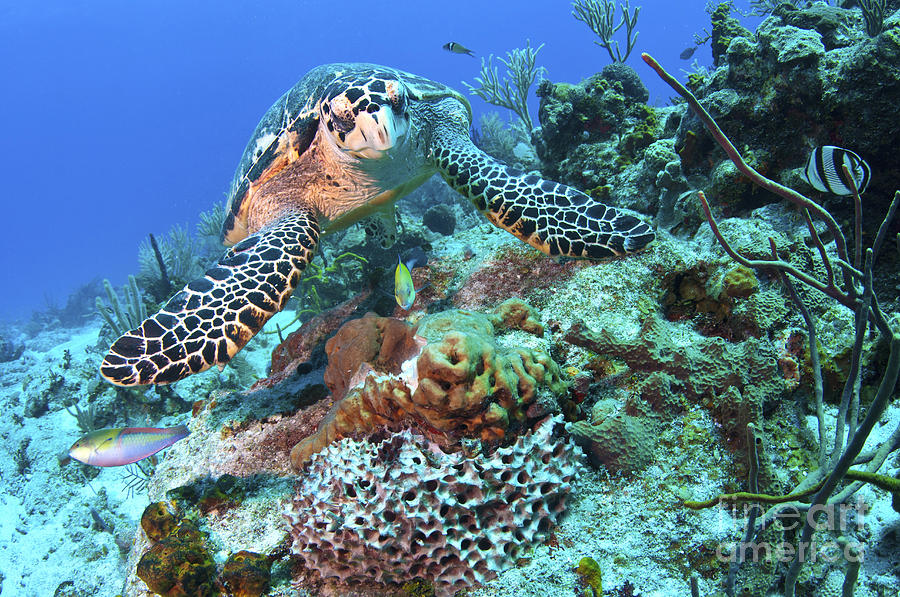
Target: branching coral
512 91
119 320
873 14
599 15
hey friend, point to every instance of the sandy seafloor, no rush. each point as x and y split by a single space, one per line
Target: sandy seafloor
634 527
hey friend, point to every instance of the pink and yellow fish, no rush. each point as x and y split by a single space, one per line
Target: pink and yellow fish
124 445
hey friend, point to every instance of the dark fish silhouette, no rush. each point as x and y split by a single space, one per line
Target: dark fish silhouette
687 53
458 48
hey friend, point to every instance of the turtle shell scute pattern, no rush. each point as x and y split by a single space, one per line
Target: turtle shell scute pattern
285 132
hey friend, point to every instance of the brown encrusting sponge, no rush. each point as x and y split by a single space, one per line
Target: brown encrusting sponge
447 377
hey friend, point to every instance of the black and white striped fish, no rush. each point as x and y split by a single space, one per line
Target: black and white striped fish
823 170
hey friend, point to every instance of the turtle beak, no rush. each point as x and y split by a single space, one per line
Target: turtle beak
376 133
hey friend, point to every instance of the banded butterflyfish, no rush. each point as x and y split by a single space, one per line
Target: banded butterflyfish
825 173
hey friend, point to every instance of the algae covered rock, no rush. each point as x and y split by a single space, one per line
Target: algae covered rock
731 379
609 106
790 44
179 564
439 218
725 28
246 574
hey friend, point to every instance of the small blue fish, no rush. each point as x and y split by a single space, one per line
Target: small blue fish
458 48
124 445
404 291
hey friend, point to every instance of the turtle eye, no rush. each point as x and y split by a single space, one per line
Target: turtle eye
342 114
396 96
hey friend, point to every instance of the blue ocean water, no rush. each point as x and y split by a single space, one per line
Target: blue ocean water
121 119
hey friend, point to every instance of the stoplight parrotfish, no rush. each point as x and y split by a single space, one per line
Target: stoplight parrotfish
124 445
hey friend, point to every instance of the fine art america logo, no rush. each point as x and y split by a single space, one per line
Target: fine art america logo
831 517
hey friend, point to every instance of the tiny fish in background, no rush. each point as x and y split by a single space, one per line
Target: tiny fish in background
823 170
458 49
124 445
404 291
687 53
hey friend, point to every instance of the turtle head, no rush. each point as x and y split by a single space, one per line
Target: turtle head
366 119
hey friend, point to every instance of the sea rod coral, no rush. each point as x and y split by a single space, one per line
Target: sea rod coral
853 287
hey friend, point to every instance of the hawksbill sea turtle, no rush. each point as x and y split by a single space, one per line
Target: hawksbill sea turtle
343 144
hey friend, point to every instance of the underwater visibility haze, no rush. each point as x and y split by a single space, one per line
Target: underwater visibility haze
515 298
154 102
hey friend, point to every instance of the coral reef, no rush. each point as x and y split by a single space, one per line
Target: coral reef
724 28
683 349
510 92
401 508
591 132
617 440
803 80
512 271
733 380
855 292
447 375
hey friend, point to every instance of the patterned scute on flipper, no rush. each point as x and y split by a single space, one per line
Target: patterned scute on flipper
213 317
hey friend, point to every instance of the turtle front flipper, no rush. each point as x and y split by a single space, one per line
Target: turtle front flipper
550 216
213 317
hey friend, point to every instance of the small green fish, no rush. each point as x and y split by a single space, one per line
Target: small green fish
124 445
458 48
404 291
